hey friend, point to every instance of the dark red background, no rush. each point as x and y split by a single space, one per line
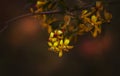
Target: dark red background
23 47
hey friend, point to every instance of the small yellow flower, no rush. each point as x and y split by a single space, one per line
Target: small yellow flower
94 20
65 45
96 24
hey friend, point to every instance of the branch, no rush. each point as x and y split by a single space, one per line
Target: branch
32 14
48 12
27 15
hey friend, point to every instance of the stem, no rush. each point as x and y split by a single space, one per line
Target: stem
32 14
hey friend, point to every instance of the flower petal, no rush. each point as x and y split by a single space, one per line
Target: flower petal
59 32
61 42
60 54
94 34
39 3
66 41
69 47
50 44
51 34
54 39
55 44
94 19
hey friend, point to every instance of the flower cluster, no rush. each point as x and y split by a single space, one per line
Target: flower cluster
58 43
92 20
87 20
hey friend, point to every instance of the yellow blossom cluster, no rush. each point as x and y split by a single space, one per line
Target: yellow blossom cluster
88 20
58 43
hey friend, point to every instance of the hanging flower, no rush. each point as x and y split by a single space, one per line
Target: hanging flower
58 43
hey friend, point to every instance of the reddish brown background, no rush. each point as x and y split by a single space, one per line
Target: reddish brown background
23 47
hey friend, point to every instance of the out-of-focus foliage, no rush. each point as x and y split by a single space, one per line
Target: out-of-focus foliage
62 29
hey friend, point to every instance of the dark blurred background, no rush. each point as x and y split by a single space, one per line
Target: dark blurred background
23 46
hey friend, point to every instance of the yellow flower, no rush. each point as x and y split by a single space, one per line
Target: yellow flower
58 43
94 20
96 24
65 45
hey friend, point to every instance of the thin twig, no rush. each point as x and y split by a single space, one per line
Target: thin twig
26 15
